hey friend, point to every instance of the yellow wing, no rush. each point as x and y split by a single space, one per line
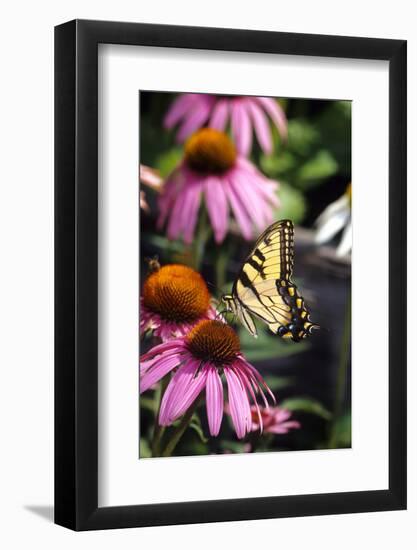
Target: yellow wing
264 287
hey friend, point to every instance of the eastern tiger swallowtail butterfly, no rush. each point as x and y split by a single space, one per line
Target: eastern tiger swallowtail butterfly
265 290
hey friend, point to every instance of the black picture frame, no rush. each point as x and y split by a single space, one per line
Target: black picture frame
76 271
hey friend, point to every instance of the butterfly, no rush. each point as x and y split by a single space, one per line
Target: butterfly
264 289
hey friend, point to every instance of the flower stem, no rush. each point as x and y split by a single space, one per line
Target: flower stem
179 430
341 375
221 263
158 431
200 240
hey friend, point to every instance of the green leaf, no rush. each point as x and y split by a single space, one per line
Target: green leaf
232 446
163 244
307 405
283 101
144 448
302 136
195 424
277 164
267 346
166 162
343 431
148 403
276 383
322 165
193 447
335 129
293 204
153 141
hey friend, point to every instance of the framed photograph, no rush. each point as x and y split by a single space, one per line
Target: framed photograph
230 275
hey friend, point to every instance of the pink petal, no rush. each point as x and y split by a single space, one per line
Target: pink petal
254 204
182 104
217 207
196 118
262 130
175 220
214 400
150 177
190 211
213 314
262 196
243 162
265 187
160 368
142 201
281 415
167 331
181 392
219 115
247 383
145 366
241 127
175 346
259 381
254 384
185 204
239 211
275 111
238 403
267 192
285 427
170 191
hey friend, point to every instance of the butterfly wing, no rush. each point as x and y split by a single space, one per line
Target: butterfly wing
264 287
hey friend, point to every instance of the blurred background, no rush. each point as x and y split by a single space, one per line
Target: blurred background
311 378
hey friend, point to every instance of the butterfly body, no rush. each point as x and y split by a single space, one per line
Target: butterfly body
264 289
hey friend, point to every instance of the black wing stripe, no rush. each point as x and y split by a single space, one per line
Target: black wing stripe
275 315
272 260
246 282
259 254
259 315
256 266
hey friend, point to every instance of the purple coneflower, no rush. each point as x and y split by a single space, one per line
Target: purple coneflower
275 420
143 202
212 168
209 351
174 298
246 114
152 179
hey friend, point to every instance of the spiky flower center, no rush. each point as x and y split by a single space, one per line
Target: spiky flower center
213 341
177 293
210 151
